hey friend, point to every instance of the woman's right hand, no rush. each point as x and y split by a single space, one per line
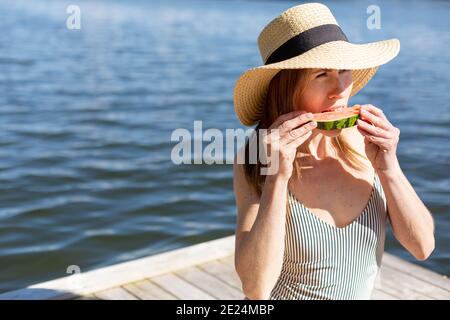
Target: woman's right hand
293 129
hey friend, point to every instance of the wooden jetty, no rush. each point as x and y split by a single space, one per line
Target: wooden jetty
206 271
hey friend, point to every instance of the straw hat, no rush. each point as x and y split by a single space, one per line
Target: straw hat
306 36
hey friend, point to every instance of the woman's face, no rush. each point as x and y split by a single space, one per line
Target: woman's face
327 88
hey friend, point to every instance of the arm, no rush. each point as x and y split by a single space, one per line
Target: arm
260 228
260 233
411 221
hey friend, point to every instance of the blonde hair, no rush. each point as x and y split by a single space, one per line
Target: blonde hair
283 91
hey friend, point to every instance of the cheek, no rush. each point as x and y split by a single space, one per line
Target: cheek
348 83
311 100
348 90
316 94
319 89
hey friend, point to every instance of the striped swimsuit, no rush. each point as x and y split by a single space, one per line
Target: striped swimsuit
322 261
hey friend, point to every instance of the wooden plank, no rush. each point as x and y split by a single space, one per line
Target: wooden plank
400 279
407 287
381 295
416 271
402 293
405 294
114 276
116 293
180 287
210 284
228 260
392 286
147 290
224 272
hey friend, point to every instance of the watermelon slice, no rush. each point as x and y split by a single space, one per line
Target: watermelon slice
337 119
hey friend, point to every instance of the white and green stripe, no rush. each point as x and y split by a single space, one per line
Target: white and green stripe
325 262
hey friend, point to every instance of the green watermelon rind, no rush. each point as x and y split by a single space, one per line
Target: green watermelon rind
342 123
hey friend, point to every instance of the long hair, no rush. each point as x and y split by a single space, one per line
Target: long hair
284 88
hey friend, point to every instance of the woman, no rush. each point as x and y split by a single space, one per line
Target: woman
316 228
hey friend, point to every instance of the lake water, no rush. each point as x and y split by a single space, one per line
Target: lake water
86 118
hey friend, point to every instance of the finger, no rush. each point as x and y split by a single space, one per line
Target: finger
278 133
371 108
302 138
296 133
383 143
375 131
374 110
285 117
376 120
291 124
362 131
268 137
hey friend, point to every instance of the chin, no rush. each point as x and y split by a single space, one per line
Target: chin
330 133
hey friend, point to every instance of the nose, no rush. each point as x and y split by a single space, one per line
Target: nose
338 87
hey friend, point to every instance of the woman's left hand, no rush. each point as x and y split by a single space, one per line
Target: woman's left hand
380 138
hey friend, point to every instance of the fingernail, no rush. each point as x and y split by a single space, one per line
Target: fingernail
309 115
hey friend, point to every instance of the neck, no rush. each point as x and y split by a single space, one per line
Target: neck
319 147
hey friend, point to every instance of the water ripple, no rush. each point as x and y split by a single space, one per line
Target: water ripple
86 118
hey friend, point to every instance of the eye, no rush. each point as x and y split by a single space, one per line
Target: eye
342 71
322 74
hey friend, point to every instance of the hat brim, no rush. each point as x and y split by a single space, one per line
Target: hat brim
363 59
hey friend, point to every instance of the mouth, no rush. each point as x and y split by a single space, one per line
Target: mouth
333 108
